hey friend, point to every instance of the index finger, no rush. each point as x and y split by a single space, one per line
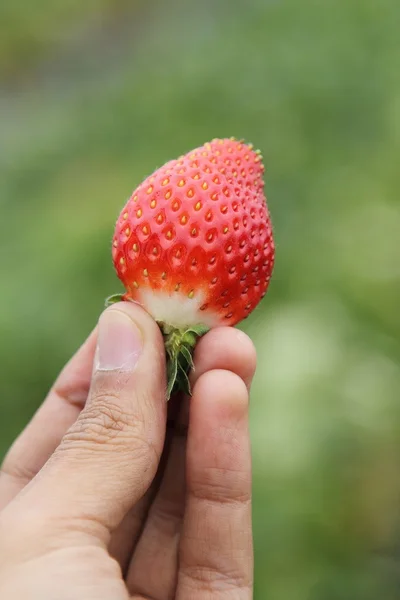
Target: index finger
43 434
216 553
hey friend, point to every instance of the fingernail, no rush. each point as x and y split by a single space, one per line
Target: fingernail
119 342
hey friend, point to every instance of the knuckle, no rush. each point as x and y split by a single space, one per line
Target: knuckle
91 557
215 578
167 516
17 470
222 486
20 529
75 395
104 421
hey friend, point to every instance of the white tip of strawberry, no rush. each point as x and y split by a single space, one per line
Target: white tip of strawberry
177 310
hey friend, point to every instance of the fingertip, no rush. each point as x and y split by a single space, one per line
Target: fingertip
130 341
228 349
218 450
146 324
220 394
248 354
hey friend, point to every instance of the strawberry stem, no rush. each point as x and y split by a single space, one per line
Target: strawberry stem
179 347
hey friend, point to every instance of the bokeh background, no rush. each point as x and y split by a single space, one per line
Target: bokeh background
94 96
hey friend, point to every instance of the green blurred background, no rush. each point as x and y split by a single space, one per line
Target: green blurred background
94 96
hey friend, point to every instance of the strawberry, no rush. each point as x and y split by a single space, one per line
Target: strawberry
193 245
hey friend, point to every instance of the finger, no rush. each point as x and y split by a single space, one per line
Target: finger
126 535
41 437
225 348
215 558
153 567
154 563
108 458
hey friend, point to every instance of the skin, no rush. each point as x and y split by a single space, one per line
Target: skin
110 493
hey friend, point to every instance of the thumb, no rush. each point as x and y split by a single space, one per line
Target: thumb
108 458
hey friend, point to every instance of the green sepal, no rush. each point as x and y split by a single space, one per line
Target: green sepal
188 356
179 346
184 383
114 299
198 330
172 372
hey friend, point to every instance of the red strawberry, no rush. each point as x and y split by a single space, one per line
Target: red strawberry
194 245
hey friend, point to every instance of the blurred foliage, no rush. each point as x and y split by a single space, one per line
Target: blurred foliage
94 96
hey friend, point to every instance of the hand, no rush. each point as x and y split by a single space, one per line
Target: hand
101 499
